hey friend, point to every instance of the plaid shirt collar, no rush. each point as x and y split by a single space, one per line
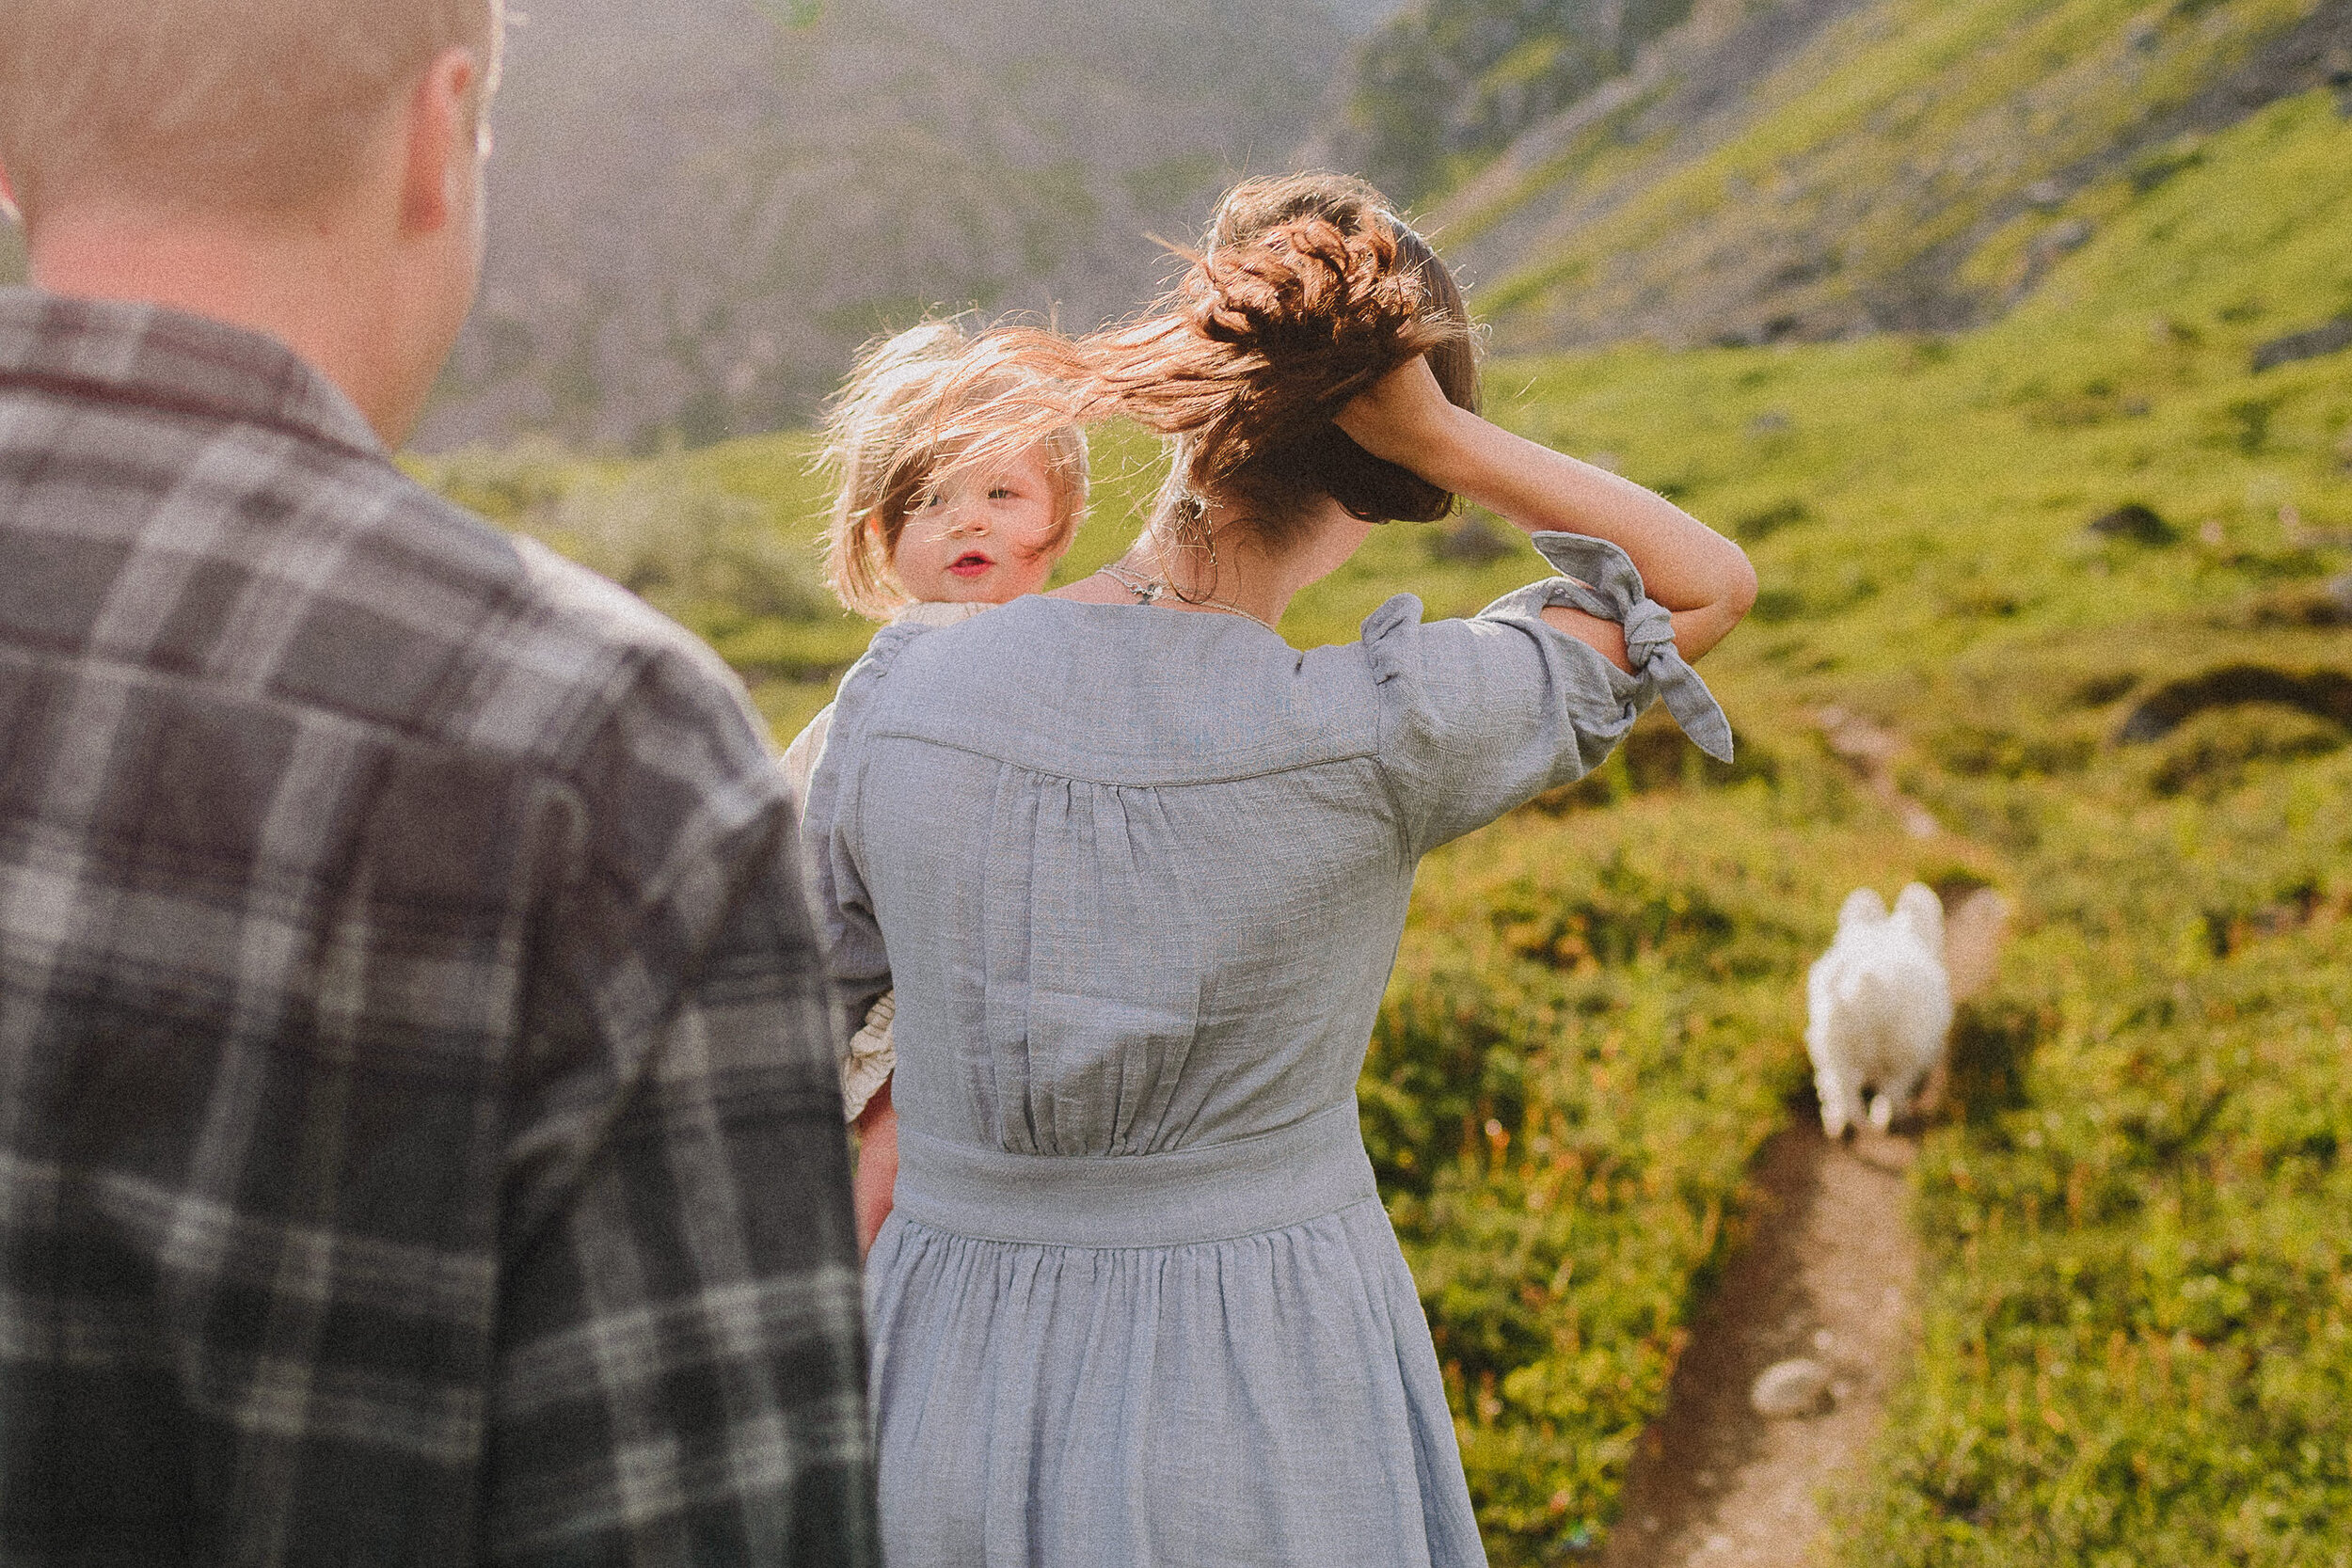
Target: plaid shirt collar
148 357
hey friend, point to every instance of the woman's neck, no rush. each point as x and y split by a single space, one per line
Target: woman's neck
1219 564
1235 570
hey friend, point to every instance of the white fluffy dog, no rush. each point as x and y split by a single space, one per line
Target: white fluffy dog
1879 1005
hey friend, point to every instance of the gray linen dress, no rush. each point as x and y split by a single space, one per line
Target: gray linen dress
1140 877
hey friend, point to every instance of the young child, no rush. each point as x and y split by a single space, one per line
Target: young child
934 520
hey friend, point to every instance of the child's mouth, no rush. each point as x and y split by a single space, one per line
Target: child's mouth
970 564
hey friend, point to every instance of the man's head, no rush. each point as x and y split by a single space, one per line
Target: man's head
132 131
260 104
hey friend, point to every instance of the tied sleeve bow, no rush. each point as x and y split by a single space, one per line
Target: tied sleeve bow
1601 580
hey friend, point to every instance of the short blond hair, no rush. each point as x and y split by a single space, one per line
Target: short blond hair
255 104
917 407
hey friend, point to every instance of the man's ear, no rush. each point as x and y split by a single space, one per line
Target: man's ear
441 140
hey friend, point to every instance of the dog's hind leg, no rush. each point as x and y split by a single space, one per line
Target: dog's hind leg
1902 1096
1838 1107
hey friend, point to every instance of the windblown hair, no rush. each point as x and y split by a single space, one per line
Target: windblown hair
258 105
1308 290
928 404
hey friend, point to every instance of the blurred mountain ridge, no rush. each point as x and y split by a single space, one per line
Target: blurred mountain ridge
699 207
1682 171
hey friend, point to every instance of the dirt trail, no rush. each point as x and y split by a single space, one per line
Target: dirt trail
1829 1274
1871 752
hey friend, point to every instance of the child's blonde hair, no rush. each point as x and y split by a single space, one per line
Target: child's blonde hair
918 407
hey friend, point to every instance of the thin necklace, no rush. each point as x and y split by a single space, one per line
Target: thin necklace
1148 591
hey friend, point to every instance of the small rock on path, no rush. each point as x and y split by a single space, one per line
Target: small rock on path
1797 1386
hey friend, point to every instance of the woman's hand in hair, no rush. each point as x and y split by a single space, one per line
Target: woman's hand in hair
1404 417
1701 576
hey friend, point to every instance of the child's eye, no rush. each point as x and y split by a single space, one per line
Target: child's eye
1000 494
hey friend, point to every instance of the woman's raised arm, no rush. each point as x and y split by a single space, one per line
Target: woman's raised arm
1702 578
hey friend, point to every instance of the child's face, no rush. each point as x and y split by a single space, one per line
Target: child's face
982 539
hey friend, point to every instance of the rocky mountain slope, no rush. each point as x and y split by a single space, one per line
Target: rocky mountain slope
1818 168
1445 85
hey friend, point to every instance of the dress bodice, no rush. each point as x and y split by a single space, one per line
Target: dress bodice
1139 876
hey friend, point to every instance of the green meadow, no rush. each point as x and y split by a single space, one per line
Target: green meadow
2136 1336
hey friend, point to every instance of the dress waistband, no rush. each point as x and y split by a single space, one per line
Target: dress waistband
1204 1193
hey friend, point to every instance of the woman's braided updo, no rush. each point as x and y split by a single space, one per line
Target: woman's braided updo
1307 291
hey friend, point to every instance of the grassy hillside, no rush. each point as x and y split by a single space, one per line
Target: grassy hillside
2126 1223
2138 1338
2137 1349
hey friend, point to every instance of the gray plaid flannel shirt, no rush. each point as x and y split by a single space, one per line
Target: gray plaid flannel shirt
419 1133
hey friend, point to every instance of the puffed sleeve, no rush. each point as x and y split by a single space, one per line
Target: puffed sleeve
1480 715
829 829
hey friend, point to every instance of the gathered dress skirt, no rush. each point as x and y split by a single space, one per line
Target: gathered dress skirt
1209 1355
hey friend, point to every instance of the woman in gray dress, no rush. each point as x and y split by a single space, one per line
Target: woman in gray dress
1139 870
